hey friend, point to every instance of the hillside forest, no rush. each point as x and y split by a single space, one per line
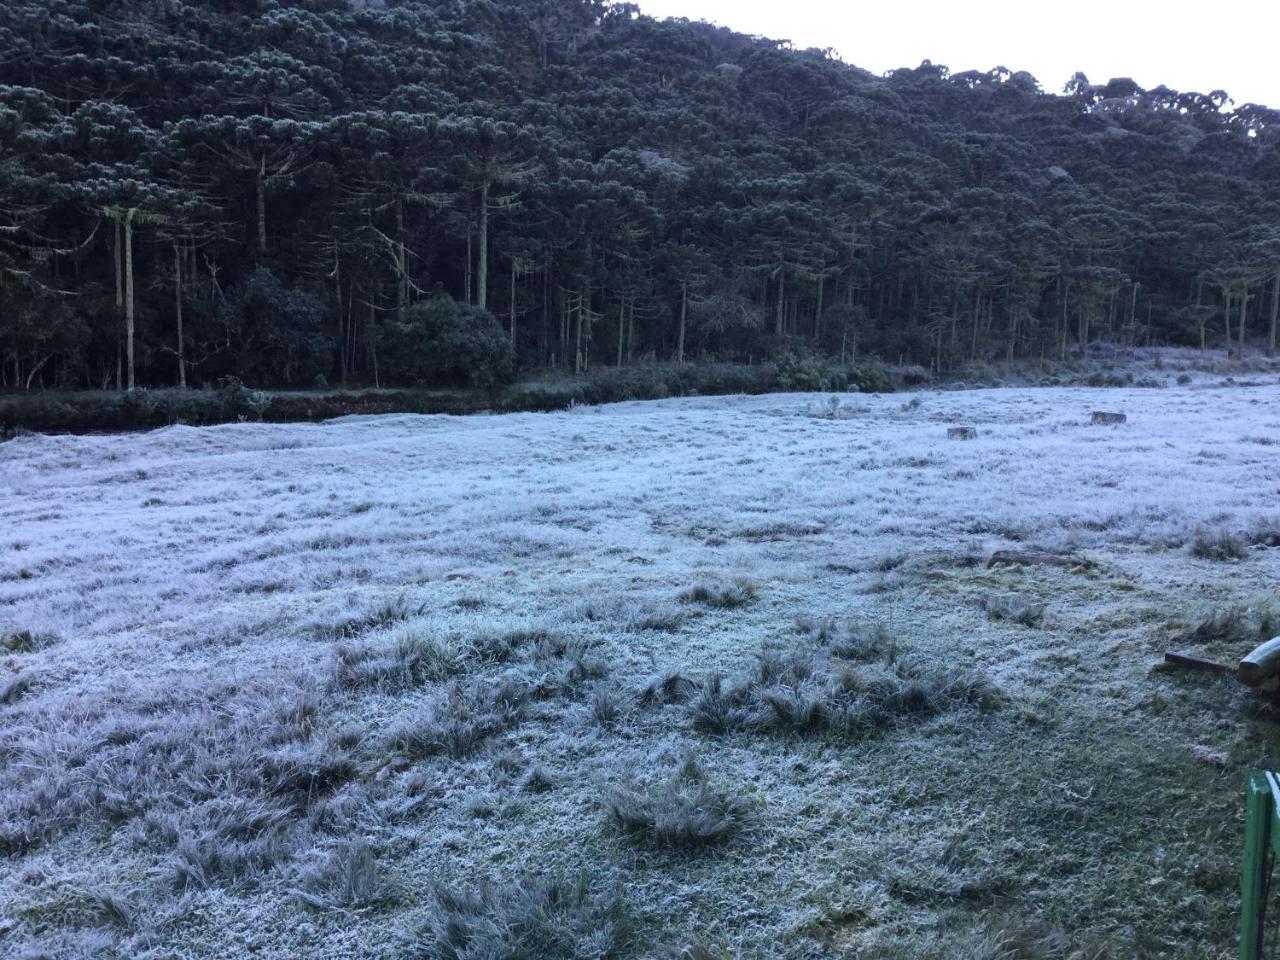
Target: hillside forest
301 193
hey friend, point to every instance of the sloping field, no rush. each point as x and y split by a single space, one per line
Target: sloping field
728 672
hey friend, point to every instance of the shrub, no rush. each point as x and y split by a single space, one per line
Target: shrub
445 343
685 811
799 371
870 376
531 919
280 334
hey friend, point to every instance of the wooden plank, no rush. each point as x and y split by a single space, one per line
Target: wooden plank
1260 663
1197 663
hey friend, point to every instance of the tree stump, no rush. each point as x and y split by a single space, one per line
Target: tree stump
1102 418
962 433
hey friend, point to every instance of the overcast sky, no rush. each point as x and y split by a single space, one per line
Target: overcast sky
1224 45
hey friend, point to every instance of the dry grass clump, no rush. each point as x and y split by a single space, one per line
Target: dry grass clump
1265 532
531 919
1014 610
228 840
1218 545
814 693
26 641
220 778
631 613
458 722
537 779
16 686
722 596
685 811
849 639
347 877
1242 625
376 615
670 688
606 705
1002 941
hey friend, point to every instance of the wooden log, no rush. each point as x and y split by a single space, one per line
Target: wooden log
1260 664
1196 663
962 433
1102 418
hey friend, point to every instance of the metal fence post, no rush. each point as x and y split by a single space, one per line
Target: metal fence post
1257 824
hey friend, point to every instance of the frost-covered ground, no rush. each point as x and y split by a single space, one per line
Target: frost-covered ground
322 690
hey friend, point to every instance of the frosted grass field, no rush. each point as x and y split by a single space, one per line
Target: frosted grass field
330 690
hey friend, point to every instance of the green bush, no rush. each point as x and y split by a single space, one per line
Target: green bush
280 332
443 343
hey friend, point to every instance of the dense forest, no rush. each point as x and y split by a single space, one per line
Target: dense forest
309 192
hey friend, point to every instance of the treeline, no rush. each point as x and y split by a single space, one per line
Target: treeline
301 192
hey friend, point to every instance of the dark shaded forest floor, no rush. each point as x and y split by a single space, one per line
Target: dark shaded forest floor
104 411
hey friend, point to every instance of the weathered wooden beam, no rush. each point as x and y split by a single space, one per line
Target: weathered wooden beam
1197 663
1260 663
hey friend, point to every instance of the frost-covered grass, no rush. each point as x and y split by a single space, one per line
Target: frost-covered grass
423 686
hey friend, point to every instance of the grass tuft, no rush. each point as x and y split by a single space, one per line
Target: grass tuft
1014 610
1220 546
684 812
670 688
460 721
814 693
721 596
531 919
346 878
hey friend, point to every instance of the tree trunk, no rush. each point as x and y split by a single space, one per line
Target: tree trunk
817 315
128 297
1204 323
513 303
372 334
482 254
402 265
1244 313
337 305
177 307
466 285
1226 296
261 185
577 349
622 329
118 253
782 297
1275 314
631 331
684 316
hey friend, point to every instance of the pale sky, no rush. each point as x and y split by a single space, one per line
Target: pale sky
1223 45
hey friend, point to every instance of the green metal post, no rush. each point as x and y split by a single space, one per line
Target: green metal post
1257 824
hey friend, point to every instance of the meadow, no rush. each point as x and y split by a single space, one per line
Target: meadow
727 677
